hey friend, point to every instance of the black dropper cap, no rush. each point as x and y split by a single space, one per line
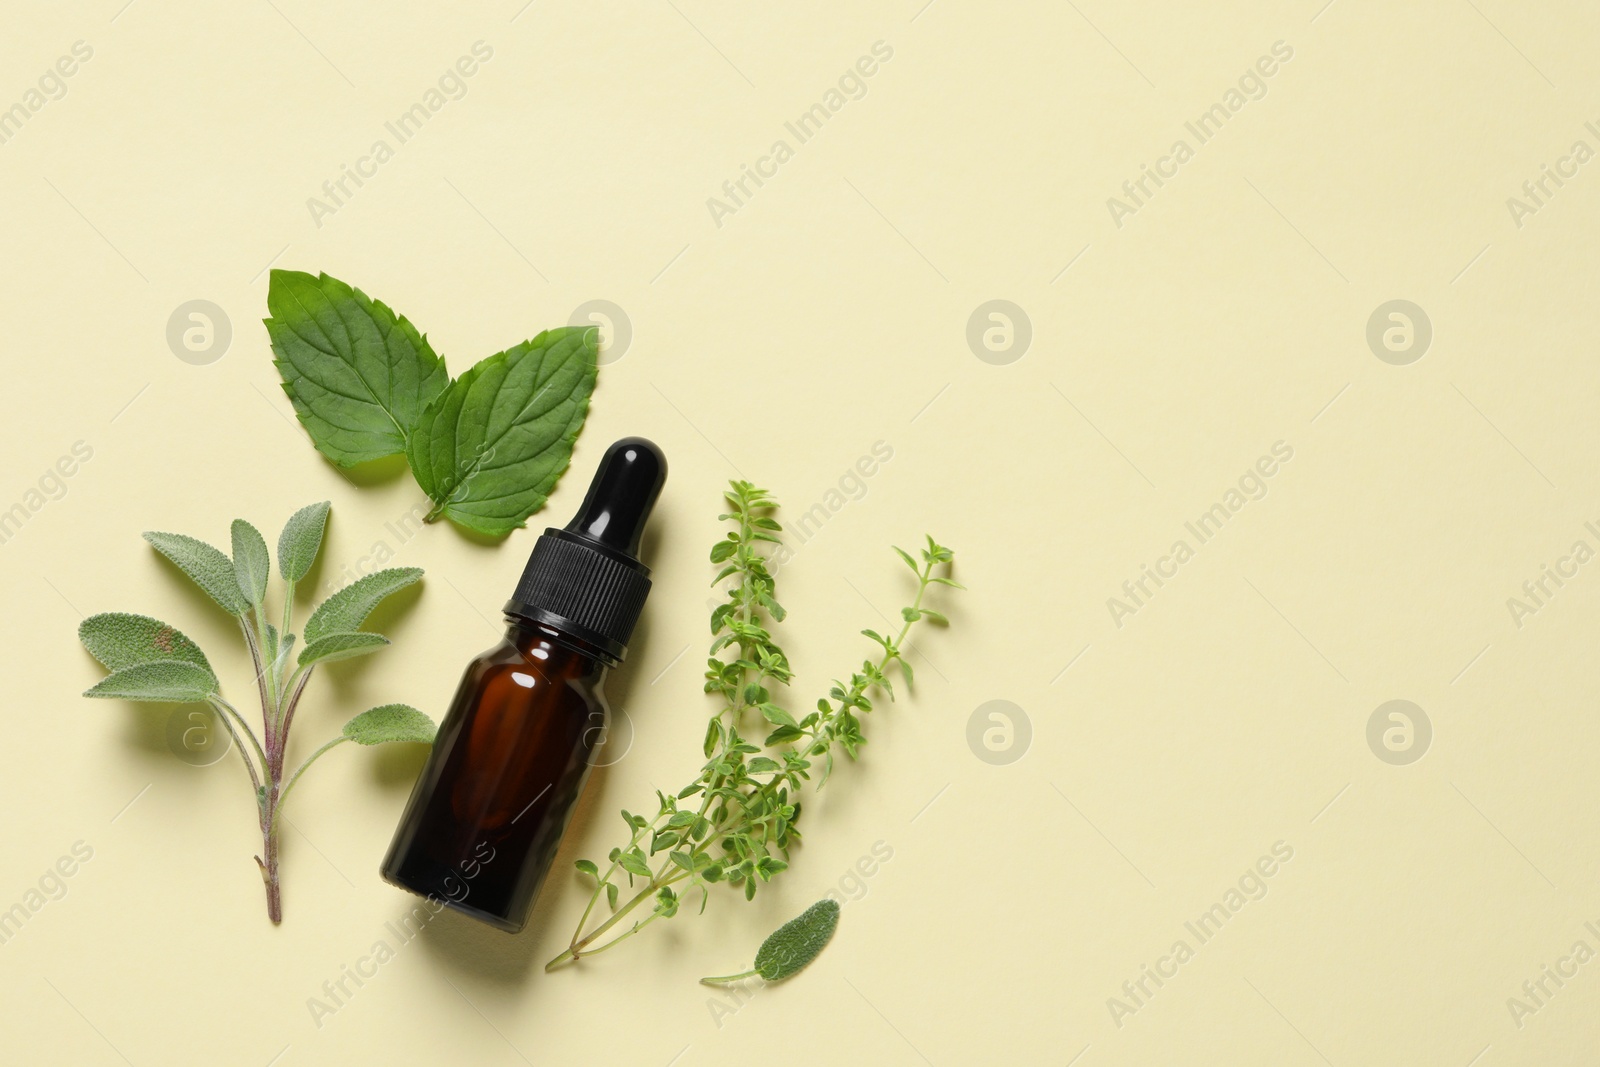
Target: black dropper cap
587 580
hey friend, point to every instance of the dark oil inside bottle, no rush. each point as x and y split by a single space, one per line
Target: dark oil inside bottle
515 749
511 757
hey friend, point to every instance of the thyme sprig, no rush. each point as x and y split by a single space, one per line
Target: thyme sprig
737 820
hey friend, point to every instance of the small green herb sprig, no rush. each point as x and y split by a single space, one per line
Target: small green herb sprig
744 807
150 660
488 448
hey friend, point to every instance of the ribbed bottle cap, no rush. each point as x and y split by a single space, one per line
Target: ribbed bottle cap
586 579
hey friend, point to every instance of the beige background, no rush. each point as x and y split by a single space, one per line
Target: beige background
827 313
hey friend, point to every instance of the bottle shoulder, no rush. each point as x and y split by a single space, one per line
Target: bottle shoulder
541 667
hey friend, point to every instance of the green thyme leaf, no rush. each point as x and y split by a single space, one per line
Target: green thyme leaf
207 567
251 564
490 448
118 640
391 722
346 610
358 374
301 540
339 646
170 680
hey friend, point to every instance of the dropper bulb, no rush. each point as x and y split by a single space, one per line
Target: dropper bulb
624 490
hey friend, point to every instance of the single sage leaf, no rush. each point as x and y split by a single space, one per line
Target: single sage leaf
797 942
357 373
207 567
391 722
177 681
346 610
301 540
251 564
118 640
340 646
491 447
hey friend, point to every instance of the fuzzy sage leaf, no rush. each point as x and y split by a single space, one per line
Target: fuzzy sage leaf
792 946
492 446
339 646
207 567
391 722
119 640
175 681
301 540
251 564
346 610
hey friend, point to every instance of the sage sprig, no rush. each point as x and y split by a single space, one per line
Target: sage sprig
150 660
737 820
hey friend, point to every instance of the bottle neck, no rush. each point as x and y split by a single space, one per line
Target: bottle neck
555 648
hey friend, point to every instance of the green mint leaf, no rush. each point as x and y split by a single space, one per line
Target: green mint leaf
358 374
391 722
491 447
798 941
301 540
588 867
206 566
118 640
251 564
339 646
346 610
164 680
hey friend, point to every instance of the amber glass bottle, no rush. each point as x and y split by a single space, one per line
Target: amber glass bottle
514 750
